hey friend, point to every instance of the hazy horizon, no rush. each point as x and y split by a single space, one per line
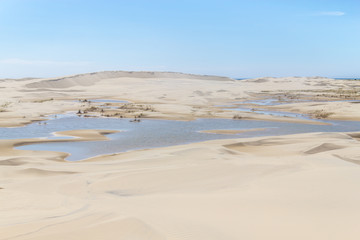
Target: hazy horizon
238 39
236 78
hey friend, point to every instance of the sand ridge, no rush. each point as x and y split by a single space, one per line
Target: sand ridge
221 188
92 78
8 146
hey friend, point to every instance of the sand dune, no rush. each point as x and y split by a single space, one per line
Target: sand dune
196 191
285 187
175 96
91 78
324 147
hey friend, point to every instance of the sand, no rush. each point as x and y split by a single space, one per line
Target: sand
300 186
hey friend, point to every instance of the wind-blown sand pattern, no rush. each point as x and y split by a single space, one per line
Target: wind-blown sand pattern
300 186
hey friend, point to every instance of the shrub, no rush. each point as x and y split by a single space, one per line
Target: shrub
320 114
237 116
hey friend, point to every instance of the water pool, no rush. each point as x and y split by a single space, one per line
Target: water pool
154 133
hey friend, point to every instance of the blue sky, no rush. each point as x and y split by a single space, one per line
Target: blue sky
242 38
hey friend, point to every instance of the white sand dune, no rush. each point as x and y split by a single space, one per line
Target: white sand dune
92 78
297 187
226 189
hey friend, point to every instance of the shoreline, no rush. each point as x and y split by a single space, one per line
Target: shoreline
8 146
100 135
255 117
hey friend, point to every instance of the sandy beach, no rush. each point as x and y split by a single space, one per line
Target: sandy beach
297 186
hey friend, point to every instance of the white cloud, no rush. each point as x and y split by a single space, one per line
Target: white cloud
331 13
17 61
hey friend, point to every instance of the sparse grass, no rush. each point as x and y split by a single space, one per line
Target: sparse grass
321 114
44 100
132 107
340 93
92 109
237 117
326 94
127 110
4 106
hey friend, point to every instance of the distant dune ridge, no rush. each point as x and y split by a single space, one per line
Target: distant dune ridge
89 79
270 79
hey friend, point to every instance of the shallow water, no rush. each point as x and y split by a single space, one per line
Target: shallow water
264 102
108 101
274 101
101 101
153 133
272 113
268 112
244 107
